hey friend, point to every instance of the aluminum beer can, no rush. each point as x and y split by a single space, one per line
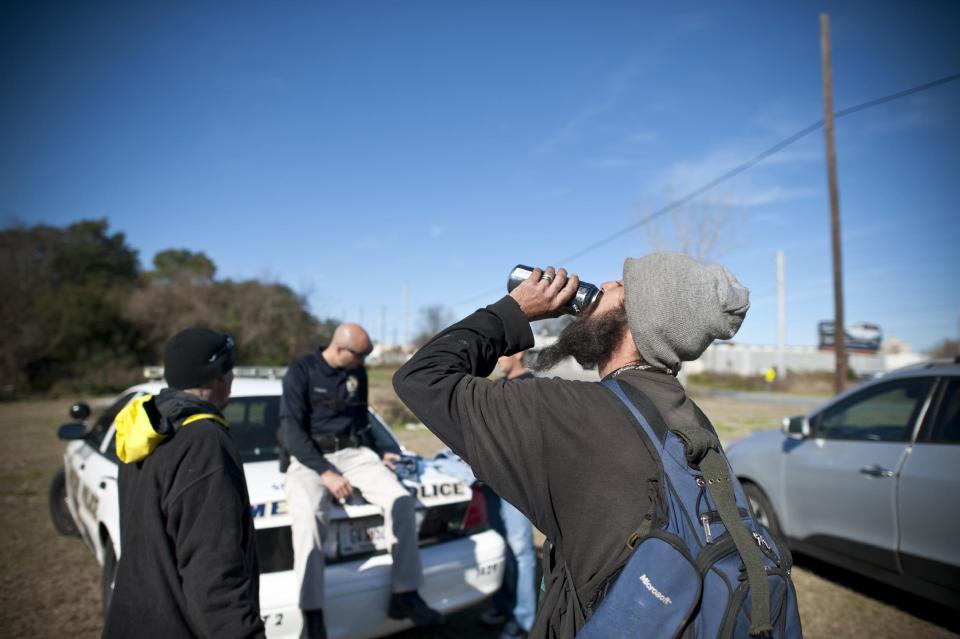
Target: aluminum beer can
587 294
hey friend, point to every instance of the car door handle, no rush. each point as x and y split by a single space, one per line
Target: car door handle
876 471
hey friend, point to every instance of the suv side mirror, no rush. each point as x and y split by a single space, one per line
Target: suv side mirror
796 427
72 431
79 411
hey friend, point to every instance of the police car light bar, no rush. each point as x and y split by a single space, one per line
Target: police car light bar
260 372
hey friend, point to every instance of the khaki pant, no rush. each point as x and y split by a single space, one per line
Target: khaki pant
308 503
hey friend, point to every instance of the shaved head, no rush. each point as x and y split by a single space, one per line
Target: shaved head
351 336
348 347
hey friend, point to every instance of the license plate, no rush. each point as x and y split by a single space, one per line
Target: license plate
359 536
366 535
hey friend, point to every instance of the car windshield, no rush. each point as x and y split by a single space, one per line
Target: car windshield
254 422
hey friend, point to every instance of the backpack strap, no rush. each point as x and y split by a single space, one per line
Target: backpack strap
717 476
645 426
196 418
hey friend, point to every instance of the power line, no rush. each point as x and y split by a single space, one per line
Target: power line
740 168
763 155
895 96
779 146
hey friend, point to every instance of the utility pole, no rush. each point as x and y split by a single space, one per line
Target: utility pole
406 332
781 318
839 334
383 325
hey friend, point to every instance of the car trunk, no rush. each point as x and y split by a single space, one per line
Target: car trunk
354 534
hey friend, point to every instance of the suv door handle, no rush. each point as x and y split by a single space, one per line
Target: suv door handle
876 471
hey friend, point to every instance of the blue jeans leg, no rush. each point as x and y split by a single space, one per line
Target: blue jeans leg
504 599
519 536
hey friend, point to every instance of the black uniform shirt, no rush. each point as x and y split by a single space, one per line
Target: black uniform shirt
319 399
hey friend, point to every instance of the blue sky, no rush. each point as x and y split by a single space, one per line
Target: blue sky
346 149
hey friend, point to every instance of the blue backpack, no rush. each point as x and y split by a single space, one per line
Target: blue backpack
704 567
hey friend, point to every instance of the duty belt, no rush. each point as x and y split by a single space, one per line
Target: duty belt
332 442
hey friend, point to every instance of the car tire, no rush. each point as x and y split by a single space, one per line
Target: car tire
762 509
109 575
59 512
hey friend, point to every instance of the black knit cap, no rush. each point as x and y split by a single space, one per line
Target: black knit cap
195 356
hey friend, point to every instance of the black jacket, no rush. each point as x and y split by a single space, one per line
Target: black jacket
565 453
188 565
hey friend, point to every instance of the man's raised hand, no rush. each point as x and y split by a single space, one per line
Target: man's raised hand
544 293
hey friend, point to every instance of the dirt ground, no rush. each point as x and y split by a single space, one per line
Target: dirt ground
49 585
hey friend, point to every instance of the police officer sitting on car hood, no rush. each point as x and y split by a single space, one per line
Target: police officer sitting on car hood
323 422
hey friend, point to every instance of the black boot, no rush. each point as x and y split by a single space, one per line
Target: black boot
409 605
313 626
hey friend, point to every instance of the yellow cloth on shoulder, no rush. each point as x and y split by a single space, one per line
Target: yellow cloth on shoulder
136 433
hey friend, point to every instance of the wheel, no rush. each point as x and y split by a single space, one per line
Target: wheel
762 509
109 576
59 513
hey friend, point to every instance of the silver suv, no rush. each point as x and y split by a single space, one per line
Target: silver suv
870 480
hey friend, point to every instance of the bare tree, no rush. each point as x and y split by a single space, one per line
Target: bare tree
946 348
433 319
699 229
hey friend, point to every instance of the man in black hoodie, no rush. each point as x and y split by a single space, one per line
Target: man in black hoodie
188 564
564 452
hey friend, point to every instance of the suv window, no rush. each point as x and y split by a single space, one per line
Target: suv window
883 413
253 426
946 428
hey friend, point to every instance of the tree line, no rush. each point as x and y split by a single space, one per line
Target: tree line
81 315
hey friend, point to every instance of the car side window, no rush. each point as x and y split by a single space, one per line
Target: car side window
882 413
946 427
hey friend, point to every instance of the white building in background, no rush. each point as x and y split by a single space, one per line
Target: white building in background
745 359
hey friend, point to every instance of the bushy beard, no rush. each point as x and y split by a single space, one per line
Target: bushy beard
589 340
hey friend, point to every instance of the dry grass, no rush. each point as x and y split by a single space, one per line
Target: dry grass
49 585
734 419
802 383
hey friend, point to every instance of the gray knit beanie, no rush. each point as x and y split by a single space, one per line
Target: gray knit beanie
677 306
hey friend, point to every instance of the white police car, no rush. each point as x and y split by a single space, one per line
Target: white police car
462 560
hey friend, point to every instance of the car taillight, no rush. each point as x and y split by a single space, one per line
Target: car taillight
476 518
